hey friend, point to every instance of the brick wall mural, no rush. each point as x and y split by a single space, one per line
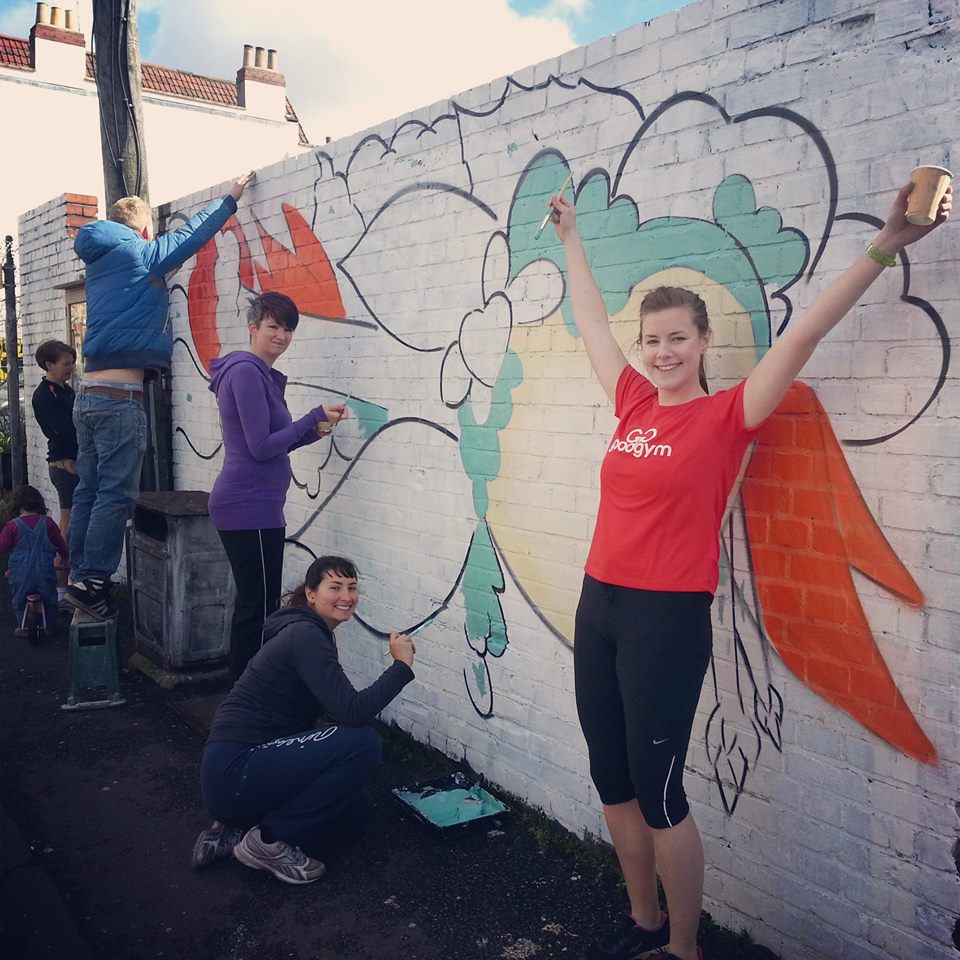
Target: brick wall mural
748 152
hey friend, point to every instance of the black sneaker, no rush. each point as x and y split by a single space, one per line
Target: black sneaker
214 843
92 597
630 940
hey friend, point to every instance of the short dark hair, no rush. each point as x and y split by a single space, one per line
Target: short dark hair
315 573
50 351
26 498
276 305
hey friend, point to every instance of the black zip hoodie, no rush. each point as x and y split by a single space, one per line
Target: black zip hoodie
294 677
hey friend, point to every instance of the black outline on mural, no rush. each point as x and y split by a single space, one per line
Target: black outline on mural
689 96
526 596
357 457
486 714
493 296
935 319
394 198
203 373
461 111
333 447
721 751
486 651
202 456
808 268
454 344
420 624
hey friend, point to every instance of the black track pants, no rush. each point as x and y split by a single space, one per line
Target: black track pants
256 558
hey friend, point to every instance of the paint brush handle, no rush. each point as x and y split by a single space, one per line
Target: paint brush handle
560 193
343 416
333 426
411 635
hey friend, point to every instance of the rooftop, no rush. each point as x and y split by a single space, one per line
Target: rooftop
15 53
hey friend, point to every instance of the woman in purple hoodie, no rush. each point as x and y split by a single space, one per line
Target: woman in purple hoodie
246 503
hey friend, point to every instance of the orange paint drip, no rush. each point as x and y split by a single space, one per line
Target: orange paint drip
807 525
305 273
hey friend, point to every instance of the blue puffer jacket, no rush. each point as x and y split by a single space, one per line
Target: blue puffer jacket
126 290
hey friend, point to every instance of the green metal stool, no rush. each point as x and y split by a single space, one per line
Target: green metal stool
94 672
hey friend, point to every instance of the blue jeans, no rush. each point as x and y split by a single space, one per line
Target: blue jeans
112 435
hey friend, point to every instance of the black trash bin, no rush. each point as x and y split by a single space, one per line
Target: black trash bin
181 584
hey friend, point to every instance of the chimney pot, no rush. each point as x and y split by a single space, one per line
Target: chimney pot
71 19
272 60
56 17
43 13
247 55
258 62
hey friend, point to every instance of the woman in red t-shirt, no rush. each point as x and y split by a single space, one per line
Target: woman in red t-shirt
643 627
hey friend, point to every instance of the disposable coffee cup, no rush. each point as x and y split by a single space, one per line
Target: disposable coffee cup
929 186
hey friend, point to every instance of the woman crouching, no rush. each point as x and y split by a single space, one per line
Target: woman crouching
278 785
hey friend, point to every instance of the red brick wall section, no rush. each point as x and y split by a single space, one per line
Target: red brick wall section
81 208
46 32
808 528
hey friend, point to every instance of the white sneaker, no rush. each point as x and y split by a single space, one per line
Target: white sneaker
287 863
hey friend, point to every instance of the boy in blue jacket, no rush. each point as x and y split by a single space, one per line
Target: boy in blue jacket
127 334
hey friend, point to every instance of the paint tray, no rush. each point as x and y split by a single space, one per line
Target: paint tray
451 803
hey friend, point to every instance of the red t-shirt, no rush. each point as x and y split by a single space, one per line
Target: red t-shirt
664 485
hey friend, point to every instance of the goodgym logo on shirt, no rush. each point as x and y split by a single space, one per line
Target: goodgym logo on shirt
639 443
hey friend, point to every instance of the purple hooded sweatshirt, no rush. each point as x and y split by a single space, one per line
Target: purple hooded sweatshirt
258 433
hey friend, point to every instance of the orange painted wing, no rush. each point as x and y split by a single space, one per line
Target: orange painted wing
202 296
808 525
305 273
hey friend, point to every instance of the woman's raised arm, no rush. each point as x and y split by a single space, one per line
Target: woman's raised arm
772 376
589 310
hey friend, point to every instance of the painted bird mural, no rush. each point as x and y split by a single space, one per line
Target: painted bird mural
804 518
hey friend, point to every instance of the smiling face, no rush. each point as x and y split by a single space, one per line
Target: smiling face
269 339
334 598
671 347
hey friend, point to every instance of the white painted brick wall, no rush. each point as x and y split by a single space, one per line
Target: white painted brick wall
839 846
46 265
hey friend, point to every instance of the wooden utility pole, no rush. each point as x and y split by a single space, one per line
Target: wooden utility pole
17 445
122 141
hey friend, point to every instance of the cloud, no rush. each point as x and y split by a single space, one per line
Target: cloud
348 66
351 66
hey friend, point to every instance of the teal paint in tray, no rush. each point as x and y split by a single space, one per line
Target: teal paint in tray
449 802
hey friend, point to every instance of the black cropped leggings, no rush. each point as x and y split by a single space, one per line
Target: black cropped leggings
639 661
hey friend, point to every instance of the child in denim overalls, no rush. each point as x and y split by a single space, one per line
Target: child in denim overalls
32 539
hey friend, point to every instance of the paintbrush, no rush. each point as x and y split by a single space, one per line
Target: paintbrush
343 416
560 192
411 635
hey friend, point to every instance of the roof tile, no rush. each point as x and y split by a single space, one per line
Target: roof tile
15 52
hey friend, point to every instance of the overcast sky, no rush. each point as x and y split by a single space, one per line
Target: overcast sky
354 64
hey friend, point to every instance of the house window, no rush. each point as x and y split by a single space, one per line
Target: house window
77 319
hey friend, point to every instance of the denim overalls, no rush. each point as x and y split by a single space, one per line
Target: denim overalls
32 571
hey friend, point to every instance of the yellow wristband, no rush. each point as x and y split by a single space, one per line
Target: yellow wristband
884 259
